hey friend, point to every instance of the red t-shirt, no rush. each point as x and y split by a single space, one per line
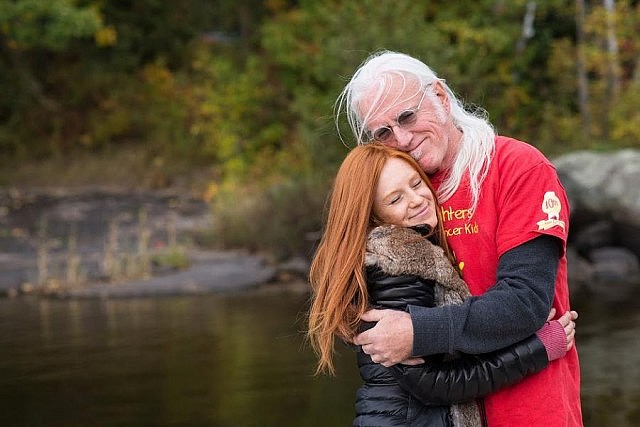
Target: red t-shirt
521 198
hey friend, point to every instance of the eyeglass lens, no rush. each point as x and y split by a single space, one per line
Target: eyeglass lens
405 118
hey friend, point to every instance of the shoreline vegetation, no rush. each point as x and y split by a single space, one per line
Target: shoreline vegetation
115 265
97 241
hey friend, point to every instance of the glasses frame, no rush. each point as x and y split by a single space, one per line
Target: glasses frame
405 119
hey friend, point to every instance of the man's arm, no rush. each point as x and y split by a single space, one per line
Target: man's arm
514 308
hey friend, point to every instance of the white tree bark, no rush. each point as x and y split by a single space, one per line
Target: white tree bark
527 26
581 69
613 66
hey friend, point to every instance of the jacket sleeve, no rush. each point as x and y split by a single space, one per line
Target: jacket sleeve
443 380
469 376
398 291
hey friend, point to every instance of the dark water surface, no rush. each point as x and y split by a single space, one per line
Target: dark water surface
233 360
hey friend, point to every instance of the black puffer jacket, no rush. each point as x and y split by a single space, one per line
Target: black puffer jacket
420 395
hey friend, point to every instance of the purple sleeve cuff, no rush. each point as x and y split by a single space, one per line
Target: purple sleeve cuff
554 339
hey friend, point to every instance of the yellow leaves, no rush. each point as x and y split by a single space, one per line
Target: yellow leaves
627 129
159 77
106 36
625 115
12 44
210 192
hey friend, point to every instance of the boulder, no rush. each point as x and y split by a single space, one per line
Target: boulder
604 238
606 185
614 264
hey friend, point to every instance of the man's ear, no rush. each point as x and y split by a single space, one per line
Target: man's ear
442 95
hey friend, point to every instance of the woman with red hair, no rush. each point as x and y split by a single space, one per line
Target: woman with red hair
384 246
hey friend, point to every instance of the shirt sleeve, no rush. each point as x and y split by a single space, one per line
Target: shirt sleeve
513 309
533 203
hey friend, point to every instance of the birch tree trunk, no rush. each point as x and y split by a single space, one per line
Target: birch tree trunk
527 27
613 66
581 69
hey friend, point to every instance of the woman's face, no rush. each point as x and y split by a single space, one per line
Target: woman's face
402 197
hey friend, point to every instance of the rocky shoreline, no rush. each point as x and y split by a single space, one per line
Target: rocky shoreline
604 239
39 224
604 244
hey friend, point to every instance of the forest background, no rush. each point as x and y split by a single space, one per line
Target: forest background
233 100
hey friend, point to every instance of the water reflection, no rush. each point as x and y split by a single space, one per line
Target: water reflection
234 360
610 361
221 361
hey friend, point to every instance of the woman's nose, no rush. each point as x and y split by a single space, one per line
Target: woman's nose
415 199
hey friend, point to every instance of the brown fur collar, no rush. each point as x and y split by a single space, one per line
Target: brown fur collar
400 250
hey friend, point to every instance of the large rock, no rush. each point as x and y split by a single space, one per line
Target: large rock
604 193
605 184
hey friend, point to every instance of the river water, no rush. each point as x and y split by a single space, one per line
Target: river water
231 360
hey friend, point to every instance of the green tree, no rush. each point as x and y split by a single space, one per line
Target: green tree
29 28
31 31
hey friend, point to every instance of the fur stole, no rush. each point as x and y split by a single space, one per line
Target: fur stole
400 250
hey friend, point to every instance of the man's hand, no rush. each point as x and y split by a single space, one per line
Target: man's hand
391 340
568 322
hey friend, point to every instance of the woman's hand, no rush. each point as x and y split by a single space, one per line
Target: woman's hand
567 320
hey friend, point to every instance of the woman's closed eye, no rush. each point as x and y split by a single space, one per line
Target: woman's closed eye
395 199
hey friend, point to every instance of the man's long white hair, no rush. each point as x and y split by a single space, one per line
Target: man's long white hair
373 78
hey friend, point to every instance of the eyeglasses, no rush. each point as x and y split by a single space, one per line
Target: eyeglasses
405 119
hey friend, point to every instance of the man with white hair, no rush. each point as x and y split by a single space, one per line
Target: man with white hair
512 254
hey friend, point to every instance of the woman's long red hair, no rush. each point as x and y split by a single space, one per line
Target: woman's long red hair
339 289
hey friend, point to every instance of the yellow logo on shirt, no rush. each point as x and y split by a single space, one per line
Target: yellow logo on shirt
551 206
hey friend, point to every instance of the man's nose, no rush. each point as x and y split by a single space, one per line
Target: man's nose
402 137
